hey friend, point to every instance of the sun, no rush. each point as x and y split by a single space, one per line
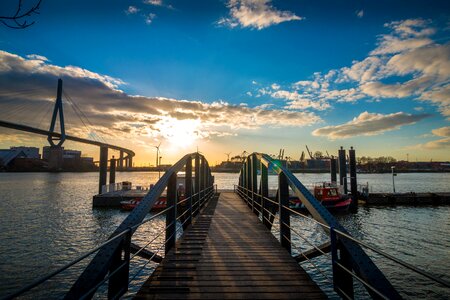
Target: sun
179 133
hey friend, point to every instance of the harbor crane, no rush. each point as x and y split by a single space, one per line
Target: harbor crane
228 156
302 157
309 152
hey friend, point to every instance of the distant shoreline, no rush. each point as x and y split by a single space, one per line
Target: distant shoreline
235 172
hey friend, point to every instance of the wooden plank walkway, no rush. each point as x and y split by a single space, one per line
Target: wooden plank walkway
229 254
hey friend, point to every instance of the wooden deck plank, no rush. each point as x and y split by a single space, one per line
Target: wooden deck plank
229 254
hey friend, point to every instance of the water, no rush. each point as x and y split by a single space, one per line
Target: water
47 220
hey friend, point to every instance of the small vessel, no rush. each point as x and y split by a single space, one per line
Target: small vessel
131 204
162 201
328 195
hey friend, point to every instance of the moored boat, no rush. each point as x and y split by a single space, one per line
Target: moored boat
328 195
162 201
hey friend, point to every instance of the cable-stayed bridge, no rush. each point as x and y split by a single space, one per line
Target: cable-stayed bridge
18 110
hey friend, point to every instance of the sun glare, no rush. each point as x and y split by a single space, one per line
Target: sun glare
180 133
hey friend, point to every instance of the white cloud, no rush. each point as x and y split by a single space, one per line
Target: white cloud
367 124
149 18
132 10
299 101
443 131
359 13
275 86
257 14
440 144
405 35
37 57
153 2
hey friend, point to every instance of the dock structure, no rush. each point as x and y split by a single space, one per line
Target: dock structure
229 254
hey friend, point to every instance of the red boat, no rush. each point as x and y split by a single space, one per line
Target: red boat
131 204
328 195
160 204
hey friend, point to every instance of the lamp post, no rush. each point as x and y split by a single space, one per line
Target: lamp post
393 175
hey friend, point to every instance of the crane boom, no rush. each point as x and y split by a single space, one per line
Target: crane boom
309 152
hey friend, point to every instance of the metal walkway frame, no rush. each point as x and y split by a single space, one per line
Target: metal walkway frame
346 253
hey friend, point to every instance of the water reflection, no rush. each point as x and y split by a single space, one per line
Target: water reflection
48 220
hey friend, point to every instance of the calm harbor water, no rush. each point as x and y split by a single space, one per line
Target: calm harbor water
47 220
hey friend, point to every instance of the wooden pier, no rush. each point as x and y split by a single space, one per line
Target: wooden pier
227 253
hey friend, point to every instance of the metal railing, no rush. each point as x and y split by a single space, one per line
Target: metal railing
111 262
344 247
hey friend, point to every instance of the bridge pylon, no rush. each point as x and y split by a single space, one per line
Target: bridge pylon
56 149
58 109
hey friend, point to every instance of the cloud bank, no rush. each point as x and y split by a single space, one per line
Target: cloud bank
407 63
119 115
368 124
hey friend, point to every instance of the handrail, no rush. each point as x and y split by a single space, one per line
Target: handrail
99 266
120 239
348 236
354 256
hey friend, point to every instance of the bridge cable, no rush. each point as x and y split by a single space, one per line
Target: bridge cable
81 113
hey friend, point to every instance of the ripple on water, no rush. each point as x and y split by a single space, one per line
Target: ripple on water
48 220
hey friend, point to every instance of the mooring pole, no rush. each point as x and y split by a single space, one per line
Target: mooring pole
342 169
112 170
103 167
353 182
333 169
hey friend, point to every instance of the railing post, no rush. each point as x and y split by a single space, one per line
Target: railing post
283 202
265 194
244 181
342 281
188 190
196 207
202 181
118 283
171 214
254 188
248 172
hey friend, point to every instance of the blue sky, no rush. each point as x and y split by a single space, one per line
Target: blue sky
372 74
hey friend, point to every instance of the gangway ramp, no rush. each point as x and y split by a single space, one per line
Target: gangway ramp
229 254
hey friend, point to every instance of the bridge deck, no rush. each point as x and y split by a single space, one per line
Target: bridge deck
228 254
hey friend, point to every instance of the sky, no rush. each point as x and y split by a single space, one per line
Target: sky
227 76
